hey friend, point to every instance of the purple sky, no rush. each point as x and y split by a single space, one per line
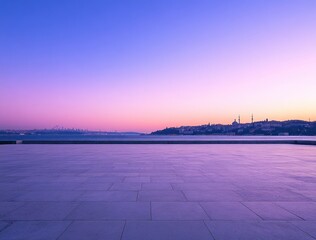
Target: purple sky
144 65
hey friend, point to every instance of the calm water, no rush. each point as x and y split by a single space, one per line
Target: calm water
145 137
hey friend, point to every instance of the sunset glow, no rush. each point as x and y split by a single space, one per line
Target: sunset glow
146 65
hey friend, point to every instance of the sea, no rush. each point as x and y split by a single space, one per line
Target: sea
142 137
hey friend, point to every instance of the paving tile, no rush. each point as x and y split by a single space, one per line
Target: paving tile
298 186
165 196
137 179
156 186
49 196
94 230
196 179
109 196
13 186
270 211
271 195
6 207
134 186
307 226
278 180
123 174
166 230
305 210
52 186
228 211
11 179
158 173
39 179
177 211
111 179
3 225
166 179
35 230
7 196
164 174
311 194
111 211
212 196
259 230
94 186
203 186
70 178
41 211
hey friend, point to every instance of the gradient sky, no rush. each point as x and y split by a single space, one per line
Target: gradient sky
144 65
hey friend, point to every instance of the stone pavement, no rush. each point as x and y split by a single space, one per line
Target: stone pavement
157 192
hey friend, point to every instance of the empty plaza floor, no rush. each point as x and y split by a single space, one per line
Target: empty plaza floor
157 192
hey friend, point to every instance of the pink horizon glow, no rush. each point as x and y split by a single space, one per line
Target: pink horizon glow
182 71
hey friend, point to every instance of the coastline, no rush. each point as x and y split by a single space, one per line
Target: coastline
157 141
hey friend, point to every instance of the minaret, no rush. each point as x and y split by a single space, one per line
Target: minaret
239 119
251 118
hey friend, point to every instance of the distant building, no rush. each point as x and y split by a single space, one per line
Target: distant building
235 122
284 134
265 127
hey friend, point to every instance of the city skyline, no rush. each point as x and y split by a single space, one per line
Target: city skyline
237 120
142 66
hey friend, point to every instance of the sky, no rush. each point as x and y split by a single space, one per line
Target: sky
143 65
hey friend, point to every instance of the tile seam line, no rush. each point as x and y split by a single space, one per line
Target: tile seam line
242 203
71 201
24 203
78 197
10 222
142 220
185 197
205 212
123 229
72 210
301 230
276 203
209 230
109 188
65 229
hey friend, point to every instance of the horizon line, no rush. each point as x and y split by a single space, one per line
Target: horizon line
142 132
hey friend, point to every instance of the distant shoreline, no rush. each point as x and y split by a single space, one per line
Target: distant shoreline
275 140
261 128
